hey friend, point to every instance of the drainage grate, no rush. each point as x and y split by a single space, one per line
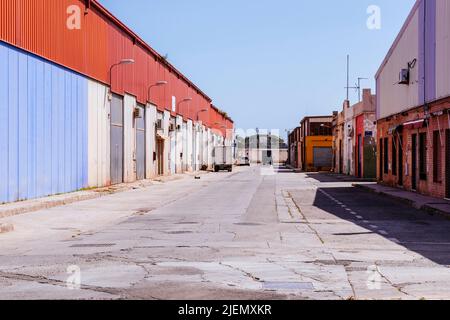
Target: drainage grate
248 224
288 286
93 245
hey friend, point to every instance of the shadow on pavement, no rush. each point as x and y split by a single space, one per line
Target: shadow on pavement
414 229
334 177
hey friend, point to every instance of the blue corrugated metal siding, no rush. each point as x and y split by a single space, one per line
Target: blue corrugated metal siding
43 127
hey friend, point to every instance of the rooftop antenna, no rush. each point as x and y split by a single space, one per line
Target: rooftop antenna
359 87
348 75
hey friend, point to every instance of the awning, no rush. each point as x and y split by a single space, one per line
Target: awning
416 124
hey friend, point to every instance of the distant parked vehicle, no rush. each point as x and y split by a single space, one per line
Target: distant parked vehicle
223 159
243 161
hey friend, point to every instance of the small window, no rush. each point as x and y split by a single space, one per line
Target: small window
423 156
437 155
386 155
394 156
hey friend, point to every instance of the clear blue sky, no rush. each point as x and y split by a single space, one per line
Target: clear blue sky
268 63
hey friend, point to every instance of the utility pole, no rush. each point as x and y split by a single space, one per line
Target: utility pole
348 75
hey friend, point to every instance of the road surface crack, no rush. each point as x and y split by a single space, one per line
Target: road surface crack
247 274
57 283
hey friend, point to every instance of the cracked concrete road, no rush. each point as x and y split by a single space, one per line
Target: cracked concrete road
251 234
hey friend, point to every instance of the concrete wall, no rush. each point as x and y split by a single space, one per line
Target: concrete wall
179 144
190 146
99 154
166 123
129 139
349 140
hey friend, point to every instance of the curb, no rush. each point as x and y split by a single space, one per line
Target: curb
6 227
88 195
49 204
400 199
411 203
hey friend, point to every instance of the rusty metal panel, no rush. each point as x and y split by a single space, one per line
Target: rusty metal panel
41 27
8 9
100 41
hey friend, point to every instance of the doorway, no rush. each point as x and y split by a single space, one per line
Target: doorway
359 156
117 139
140 144
414 162
447 164
400 160
160 156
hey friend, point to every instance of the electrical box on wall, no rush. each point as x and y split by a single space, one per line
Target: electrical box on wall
404 77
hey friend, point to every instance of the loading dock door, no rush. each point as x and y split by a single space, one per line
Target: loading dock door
323 157
140 145
116 139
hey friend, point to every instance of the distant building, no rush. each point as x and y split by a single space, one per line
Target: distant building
316 144
294 148
354 138
338 127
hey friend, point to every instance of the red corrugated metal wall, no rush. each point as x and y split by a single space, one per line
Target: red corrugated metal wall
40 27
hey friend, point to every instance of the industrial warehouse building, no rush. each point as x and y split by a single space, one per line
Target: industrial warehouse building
311 144
88 103
413 114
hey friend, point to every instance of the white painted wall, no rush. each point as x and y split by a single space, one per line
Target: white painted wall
99 155
166 123
190 146
210 144
395 98
348 142
442 48
179 144
129 139
150 141
204 146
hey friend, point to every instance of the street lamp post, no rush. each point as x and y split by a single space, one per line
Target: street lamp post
157 84
184 100
122 62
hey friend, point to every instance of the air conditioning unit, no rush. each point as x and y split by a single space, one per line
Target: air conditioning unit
138 113
159 124
404 77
